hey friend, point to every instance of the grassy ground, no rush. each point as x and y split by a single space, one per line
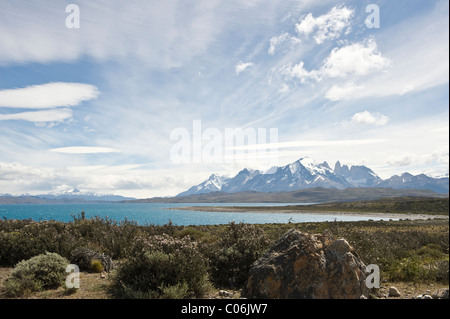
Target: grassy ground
411 206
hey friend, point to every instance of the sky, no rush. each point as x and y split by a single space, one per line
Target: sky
136 97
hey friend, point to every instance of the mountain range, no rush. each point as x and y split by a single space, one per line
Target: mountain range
306 173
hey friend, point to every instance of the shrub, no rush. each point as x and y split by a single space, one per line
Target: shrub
233 254
45 271
426 264
163 267
96 266
193 233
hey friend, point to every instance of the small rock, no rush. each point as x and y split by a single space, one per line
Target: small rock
224 293
394 292
440 294
102 276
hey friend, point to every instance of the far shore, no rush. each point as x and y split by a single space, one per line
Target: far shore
285 210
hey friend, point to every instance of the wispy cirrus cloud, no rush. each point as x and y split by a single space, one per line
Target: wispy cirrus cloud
279 40
53 115
160 34
84 150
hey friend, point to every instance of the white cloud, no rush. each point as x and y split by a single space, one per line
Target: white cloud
284 88
356 59
415 58
242 66
367 117
403 161
48 95
54 115
84 150
328 26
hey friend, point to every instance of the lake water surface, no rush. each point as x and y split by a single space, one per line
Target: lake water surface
159 214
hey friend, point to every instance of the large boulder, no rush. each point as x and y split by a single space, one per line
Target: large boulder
304 266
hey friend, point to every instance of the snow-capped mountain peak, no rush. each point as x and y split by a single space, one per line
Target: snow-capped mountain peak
294 167
213 184
215 181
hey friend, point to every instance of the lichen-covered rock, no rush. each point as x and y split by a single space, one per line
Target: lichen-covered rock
441 293
304 266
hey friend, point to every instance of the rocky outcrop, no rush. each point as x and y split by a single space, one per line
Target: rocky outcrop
306 266
82 257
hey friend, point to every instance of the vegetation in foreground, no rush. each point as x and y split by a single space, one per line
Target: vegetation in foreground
172 261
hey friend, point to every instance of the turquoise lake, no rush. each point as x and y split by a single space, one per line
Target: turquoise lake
159 214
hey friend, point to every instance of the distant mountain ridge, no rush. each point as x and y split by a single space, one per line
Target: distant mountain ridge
69 196
422 181
306 173
87 196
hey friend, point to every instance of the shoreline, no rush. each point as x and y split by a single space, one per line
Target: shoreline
283 210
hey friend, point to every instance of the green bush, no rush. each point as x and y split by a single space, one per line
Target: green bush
233 254
45 271
96 266
440 271
163 267
21 286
